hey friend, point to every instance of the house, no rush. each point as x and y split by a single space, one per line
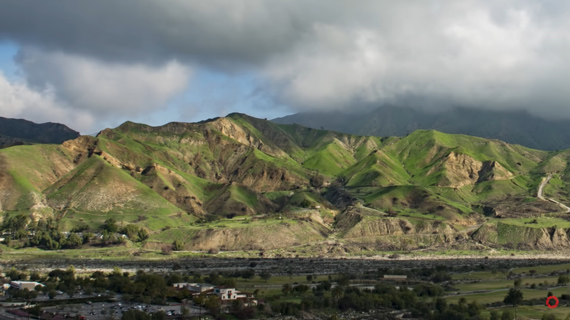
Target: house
194 288
229 294
21 285
226 294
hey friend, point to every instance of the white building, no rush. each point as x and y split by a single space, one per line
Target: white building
30 285
227 294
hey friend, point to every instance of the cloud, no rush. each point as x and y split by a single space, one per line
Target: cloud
101 88
466 55
310 55
17 100
85 93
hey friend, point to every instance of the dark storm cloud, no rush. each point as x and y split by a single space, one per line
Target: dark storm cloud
219 32
308 54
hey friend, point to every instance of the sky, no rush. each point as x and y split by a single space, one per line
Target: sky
95 64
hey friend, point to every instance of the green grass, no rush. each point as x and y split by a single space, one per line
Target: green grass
377 169
541 222
243 195
499 296
486 284
544 269
331 159
532 312
479 275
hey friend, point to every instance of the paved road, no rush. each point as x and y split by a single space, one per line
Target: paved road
540 194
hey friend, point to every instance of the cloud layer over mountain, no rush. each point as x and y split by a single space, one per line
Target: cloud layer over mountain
101 57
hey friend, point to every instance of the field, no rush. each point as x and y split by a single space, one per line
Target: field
489 287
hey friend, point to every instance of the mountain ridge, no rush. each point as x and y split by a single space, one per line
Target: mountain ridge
20 131
517 127
191 181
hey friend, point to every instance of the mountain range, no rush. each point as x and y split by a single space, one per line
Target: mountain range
19 131
518 127
242 183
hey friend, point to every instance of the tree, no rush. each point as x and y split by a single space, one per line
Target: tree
563 279
265 275
177 245
160 315
514 297
317 181
517 283
474 308
310 278
143 234
52 294
213 305
441 276
302 288
440 305
70 291
185 311
131 231
286 288
337 292
507 315
111 225
73 241
494 315
248 274
87 236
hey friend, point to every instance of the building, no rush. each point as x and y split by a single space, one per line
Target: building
226 294
194 288
21 285
229 294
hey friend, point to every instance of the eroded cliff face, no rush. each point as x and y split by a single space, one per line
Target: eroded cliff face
520 237
258 237
353 224
461 170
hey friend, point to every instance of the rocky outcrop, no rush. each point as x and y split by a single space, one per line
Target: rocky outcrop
261 237
521 237
460 170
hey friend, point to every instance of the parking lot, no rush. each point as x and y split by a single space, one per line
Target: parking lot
102 310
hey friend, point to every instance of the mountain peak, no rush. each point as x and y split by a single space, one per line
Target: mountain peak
511 126
20 131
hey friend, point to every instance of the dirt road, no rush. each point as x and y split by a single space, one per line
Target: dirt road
540 194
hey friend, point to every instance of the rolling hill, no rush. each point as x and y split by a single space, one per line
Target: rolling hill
518 127
223 182
18 132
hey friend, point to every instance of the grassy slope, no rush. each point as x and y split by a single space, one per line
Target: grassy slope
116 193
377 169
395 173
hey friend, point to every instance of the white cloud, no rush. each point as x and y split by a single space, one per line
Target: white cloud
101 88
87 94
17 100
100 55
468 54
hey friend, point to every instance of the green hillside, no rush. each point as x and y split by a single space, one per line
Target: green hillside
236 173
